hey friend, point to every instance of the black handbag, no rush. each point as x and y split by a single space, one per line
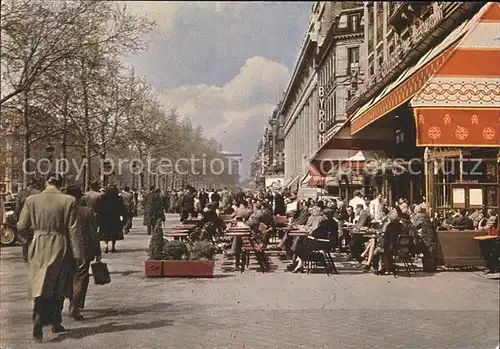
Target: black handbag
101 273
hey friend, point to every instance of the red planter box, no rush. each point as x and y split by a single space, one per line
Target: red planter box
153 268
188 268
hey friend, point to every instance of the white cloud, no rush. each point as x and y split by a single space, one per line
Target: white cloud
163 13
236 113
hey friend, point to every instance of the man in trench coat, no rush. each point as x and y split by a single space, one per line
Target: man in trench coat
56 244
153 209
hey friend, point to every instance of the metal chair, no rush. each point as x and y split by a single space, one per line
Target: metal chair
322 254
402 252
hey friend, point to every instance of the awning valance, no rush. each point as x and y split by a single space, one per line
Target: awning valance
347 155
451 127
460 104
416 78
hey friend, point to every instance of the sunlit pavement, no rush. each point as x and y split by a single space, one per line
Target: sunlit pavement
255 310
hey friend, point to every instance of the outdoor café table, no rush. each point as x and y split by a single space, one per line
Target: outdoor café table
177 234
182 227
195 221
294 233
237 233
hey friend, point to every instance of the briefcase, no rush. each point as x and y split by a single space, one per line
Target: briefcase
101 273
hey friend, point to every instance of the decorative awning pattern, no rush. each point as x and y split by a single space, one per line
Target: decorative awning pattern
460 104
442 58
451 127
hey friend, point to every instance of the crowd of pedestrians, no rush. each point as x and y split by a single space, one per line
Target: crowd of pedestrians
62 229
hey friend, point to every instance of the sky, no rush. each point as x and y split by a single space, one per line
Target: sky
224 65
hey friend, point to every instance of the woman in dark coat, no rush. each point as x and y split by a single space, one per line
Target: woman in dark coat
111 210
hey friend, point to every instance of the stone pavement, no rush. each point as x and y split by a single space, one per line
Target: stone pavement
254 310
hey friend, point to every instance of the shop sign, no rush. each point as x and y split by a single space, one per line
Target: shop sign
321 119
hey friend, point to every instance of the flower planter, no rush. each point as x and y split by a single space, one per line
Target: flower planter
188 268
153 268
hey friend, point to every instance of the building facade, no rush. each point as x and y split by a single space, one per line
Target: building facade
430 84
325 77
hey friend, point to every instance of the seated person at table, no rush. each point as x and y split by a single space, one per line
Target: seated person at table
302 219
303 215
242 213
370 247
462 221
479 217
491 221
385 243
491 257
261 215
318 227
331 226
363 217
210 222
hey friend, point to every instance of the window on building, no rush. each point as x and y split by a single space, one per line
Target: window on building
352 59
15 174
353 23
400 136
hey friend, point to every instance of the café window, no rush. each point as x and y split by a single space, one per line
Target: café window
353 23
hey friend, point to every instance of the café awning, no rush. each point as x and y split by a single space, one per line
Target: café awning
415 78
348 155
460 104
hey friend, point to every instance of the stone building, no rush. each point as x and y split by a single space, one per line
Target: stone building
325 77
430 85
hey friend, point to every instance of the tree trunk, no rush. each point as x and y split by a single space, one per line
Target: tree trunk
26 140
103 177
87 179
88 164
64 141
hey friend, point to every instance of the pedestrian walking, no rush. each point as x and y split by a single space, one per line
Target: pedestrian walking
128 201
92 250
56 243
21 197
111 212
153 209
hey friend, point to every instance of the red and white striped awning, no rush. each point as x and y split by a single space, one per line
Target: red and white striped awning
454 88
460 104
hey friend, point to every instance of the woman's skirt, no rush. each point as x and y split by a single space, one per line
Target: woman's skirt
304 247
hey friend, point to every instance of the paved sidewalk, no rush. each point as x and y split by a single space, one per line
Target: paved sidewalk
263 311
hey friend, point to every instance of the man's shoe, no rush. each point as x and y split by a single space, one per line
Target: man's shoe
37 328
77 316
58 328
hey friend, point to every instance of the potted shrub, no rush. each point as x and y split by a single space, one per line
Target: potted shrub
195 260
429 260
153 267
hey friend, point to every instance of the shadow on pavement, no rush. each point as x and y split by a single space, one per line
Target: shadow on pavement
221 276
124 273
129 250
111 327
153 308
